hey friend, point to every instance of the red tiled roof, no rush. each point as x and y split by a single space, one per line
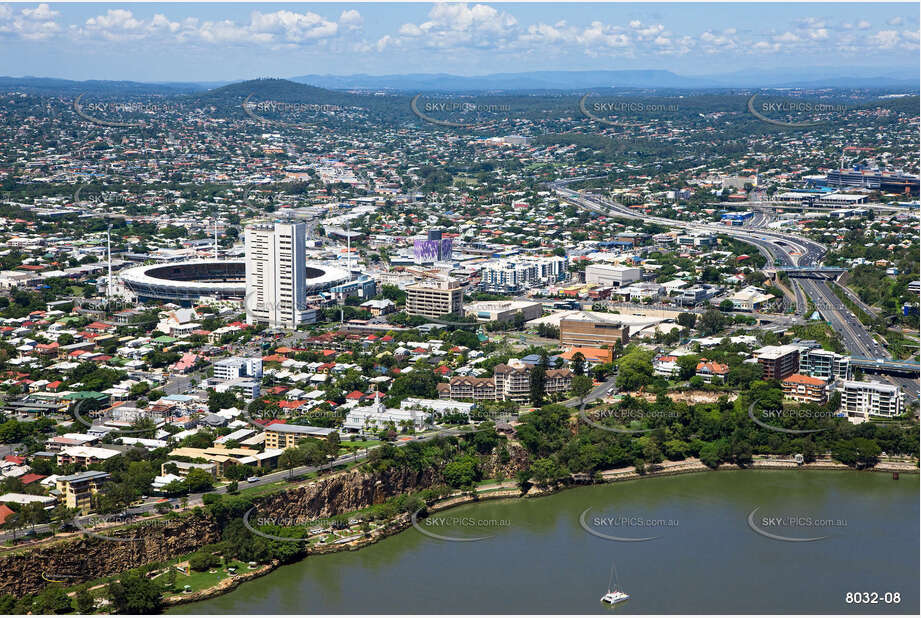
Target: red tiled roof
5 512
798 378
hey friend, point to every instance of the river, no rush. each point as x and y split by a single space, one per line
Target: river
703 556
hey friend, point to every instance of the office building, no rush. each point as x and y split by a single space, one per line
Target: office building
276 270
504 310
593 331
611 275
432 248
434 298
866 399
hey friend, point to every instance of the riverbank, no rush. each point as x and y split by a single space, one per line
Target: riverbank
509 490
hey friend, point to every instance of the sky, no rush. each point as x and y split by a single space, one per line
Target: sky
210 42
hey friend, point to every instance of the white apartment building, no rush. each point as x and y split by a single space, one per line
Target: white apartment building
516 273
871 398
237 367
276 290
611 275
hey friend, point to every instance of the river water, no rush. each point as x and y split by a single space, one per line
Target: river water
703 556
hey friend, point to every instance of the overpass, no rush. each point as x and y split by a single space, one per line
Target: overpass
886 367
813 272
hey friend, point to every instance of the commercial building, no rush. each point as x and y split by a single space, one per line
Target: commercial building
434 298
276 290
282 435
504 310
750 298
805 389
362 286
778 361
77 490
582 330
896 182
611 275
432 248
865 399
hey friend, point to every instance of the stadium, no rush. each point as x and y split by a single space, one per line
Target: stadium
186 282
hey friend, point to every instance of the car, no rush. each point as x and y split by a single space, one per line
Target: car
252 479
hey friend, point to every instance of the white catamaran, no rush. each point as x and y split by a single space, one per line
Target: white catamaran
614 595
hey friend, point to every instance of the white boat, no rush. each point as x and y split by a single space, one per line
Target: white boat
615 595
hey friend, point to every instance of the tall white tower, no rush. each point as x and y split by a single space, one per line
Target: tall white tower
109 260
276 275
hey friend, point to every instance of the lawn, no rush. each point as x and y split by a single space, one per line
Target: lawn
201 580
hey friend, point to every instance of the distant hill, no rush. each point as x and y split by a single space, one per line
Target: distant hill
333 89
52 86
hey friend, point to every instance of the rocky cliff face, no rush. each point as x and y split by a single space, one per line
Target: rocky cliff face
517 460
342 494
85 558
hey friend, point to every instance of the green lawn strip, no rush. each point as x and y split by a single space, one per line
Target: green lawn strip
200 580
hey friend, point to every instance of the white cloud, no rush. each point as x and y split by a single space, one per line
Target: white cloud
30 24
786 37
351 19
863 24
885 38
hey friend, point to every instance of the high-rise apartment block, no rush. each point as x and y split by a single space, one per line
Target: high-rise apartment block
276 290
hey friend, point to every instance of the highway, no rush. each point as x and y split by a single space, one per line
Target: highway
790 250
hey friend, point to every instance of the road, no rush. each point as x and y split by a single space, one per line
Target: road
196 499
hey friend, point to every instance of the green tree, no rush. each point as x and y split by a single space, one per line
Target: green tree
545 471
581 386
578 364
712 322
687 366
537 384
52 600
84 601
634 369
687 320
199 481
134 593
462 472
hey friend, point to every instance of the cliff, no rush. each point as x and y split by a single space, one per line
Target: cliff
82 558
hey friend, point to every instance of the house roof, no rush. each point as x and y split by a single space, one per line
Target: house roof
798 378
